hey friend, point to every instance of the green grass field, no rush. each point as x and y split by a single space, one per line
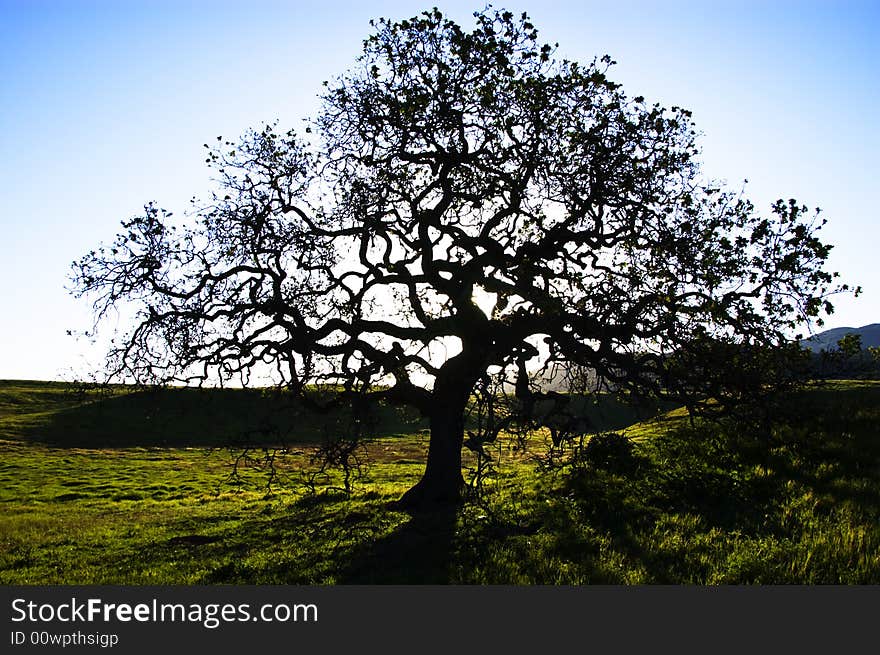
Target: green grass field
136 488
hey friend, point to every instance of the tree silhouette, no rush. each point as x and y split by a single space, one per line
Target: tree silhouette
465 206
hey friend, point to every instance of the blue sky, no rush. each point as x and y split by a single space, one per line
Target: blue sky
105 106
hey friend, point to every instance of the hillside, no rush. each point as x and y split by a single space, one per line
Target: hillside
681 503
828 339
53 413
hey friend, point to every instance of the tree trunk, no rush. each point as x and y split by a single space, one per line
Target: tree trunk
442 482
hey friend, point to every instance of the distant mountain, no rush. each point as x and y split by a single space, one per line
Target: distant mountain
828 339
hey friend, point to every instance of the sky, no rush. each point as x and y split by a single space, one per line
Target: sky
104 106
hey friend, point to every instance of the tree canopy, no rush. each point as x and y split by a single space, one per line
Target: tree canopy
466 211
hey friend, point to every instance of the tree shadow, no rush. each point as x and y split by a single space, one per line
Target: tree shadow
321 539
732 481
418 552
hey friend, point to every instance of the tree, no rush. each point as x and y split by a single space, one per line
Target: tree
848 359
850 345
466 208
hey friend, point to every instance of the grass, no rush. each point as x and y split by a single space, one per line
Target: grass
120 417
111 502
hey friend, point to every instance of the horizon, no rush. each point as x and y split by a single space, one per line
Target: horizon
106 108
235 385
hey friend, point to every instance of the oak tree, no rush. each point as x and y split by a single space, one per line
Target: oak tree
466 207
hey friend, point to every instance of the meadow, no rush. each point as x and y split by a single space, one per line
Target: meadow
132 487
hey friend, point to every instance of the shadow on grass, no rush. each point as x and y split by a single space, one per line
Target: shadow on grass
315 540
418 552
724 483
160 418
185 417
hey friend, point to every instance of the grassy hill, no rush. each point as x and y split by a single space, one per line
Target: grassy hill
681 502
54 413
119 417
